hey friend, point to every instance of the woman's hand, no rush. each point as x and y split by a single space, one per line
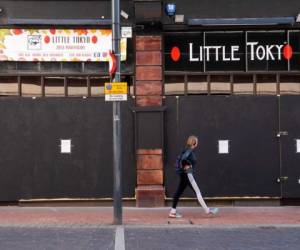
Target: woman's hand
186 167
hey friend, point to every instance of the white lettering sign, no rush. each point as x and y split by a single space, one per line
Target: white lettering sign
213 53
267 52
220 53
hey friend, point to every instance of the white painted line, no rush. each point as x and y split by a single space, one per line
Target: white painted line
119 239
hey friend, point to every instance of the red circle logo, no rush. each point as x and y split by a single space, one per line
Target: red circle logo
94 39
175 54
47 39
287 52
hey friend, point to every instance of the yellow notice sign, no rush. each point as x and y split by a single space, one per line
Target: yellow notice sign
112 88
115 91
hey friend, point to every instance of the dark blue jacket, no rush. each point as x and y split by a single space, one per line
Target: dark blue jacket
187 158
191 159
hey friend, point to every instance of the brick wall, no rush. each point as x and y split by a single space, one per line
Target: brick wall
148 69
148 90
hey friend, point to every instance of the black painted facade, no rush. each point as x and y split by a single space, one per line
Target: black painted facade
261 124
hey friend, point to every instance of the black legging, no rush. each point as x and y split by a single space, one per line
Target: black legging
184 181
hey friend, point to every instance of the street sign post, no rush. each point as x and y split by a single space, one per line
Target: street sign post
117 167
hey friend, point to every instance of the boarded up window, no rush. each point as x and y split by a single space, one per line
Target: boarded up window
54 86
174 85
290 84
266 84
243 84
31 86
77 86
97 85
9 85
197 84
220 84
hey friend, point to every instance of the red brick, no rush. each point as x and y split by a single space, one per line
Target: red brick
148 43
150 196
148 87
155 151
148 73
149 177
148 162
144 101
148 58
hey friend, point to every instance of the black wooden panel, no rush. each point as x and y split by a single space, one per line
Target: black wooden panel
15 148
290 122
62 9
148 11
249 123
31 163
149 127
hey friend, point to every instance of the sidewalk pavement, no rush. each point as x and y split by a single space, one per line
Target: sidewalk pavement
103 216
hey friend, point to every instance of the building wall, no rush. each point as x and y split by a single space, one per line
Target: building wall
161 100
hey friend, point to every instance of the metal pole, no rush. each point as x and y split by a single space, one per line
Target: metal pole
117 117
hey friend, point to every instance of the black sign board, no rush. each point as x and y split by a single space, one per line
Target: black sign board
224 51
265 51
177 52
233 51
294 40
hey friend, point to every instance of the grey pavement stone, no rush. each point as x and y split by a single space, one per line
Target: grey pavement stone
56 238
213 239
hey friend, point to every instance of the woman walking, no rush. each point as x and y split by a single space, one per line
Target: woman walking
185 165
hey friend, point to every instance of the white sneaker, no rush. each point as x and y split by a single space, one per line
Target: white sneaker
175 215
213 210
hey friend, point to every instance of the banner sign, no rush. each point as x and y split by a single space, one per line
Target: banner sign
233 51
71 45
